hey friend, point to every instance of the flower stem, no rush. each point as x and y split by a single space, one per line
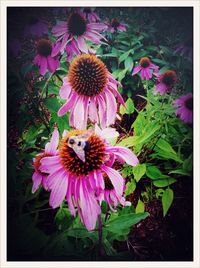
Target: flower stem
100 229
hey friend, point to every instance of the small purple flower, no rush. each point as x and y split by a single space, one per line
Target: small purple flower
165 82
73 33
146 68
44 57
35 27
184 105
116 26
90 15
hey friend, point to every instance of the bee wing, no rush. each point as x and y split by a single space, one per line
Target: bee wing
79 152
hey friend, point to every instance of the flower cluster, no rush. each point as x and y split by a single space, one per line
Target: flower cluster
83 167
80 169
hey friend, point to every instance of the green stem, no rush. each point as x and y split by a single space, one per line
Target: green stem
100 232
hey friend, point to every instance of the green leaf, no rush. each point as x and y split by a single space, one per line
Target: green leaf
129 109
167 155
188 164
140 207
153 172
52 104
167 199
130 187
128 64
139 124
124 222
165 146
164 182
180 172
139 171
122 74
124 56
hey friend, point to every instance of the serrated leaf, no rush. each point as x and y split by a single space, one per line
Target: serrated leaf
139 171
167 199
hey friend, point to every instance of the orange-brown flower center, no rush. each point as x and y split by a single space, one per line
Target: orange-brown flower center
44 47
87 75
169 78
76 24
145 62
115 23
94 154
37 162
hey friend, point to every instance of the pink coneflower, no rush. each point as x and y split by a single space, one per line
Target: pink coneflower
184 109
90 15
50 150
166 82
76 173
90 92
73 33
146 68
116 26
44 58
35 27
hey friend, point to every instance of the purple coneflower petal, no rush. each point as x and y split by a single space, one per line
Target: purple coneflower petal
116 179
49 164
82 45
68 105
37 179
111 108
51 147
136 69
93 115
43 65
59 189
127 155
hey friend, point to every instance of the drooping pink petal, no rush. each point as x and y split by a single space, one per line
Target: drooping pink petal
52 64
93 115
161 88
70 192
116 179
127 155
111 108
136 69
37 179
37 59
97 26
65 90
52 146
82 45
113 88
102 111
58 189
68 105
79 113
89 207
56 49
43 65
50 164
